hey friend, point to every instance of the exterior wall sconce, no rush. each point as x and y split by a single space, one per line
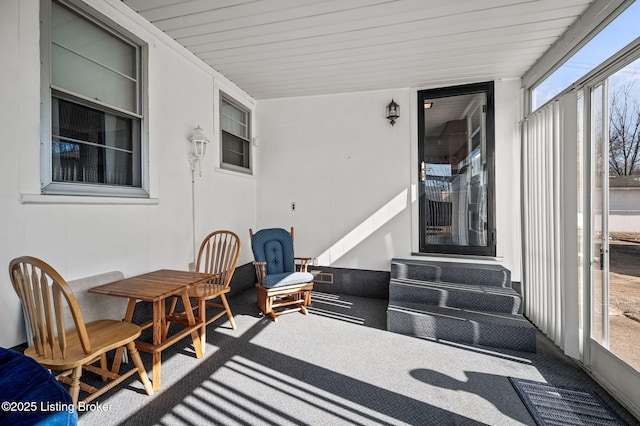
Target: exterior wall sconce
198 151
198 148
393 112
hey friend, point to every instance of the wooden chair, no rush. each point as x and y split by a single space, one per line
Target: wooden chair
284 285
219 253
42 291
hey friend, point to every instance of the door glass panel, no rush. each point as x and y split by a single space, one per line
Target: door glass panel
615 272
454 173
581 208
623 219
599 260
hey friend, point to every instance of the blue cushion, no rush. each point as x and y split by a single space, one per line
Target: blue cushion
286 278
28 385
274 246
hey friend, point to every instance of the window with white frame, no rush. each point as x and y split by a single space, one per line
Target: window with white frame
92 120
235 136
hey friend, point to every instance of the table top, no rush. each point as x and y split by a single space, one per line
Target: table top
152 286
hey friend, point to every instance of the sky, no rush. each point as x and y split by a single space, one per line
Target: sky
622 31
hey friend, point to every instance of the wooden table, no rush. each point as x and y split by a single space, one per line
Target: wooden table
156 287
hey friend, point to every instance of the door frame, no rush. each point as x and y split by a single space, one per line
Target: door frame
488 88
620 379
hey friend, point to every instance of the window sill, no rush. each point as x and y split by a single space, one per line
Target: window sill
235 173
78 199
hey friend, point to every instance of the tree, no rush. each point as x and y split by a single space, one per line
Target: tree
624 130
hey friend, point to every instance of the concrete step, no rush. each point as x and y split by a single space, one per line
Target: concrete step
461 296
495 330
451 272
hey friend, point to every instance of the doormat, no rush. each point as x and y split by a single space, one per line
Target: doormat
557 405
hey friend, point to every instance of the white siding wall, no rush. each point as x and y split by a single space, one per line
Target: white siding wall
351 174
338 158
81 240
624 209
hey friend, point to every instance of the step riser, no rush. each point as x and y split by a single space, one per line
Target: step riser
432 294
517 336
430 273
459 273
466 303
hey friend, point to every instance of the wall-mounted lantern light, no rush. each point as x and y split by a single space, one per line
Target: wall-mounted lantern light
198 148
393 112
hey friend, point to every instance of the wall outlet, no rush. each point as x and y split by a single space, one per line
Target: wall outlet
192 267
315 261
293 206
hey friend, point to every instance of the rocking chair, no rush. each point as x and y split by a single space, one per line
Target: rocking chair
284 285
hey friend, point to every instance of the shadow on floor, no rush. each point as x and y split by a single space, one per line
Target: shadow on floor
293 372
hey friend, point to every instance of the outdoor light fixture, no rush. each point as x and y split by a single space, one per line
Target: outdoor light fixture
393 112
198 148
198 151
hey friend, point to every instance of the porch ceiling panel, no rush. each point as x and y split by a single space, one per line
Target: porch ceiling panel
282 48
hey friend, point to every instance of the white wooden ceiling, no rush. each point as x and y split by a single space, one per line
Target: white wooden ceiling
282 48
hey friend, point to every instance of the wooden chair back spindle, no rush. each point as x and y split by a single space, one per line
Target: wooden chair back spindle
41 290
219 253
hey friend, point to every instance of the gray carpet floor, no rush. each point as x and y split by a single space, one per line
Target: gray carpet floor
336 366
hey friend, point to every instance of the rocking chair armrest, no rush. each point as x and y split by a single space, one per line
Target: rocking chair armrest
302 263
261 271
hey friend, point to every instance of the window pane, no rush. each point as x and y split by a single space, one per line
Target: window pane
93 146
78 162
235 151
90 61
234 112
454 174
234 120
78 75
75 121
231 126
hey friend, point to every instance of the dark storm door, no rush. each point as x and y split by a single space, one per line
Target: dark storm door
456 170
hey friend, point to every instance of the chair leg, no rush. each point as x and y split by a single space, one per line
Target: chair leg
228 310
192 319
74 388
135 356
103 365
265 302
261 299
269 304
269 308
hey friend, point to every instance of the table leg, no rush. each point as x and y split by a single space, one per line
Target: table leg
128 317
202 316
158 334
192 322
155 359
